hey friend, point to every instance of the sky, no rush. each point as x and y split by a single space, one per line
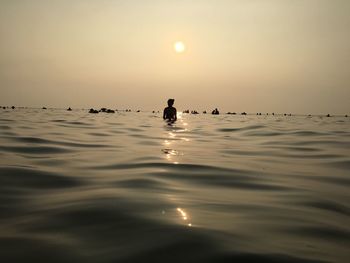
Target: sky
241 55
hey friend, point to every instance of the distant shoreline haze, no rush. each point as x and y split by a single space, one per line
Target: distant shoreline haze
181 111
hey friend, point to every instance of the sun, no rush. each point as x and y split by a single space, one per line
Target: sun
179 47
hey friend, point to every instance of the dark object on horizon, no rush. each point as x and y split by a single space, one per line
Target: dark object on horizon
93 111
309 115
44 108
138 111
231 113
346 116
153 111
244 113
273 113
69 109
328 115
170 112
194 112
290 114
110 111
186 111
205 112
215 112
13 107
4 108
285 114
103 109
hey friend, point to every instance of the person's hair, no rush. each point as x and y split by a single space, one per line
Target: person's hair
171 102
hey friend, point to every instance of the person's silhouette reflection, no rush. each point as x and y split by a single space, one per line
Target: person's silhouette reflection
169 113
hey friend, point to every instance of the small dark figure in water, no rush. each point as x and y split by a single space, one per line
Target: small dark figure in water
244 113
328 115
44 108
13 107
93 111
69 109
205 112
170 112
215 112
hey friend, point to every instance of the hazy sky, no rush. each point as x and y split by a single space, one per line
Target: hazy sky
241 55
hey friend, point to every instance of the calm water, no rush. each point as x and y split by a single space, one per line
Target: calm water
126 187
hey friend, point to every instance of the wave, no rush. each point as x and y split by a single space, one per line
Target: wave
76 187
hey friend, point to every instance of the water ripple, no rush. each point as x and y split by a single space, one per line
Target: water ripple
130 188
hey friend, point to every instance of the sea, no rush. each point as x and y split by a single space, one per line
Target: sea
130 187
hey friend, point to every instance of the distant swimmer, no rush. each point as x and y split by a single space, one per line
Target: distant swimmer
169 113
215 112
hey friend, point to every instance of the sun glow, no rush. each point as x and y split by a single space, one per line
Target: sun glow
179 47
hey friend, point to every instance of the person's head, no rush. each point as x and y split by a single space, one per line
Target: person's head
170 102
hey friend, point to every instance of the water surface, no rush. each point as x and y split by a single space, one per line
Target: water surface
127 187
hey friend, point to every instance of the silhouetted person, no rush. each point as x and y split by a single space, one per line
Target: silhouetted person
169 113
215 112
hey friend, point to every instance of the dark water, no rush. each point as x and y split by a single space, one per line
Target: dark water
126 187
